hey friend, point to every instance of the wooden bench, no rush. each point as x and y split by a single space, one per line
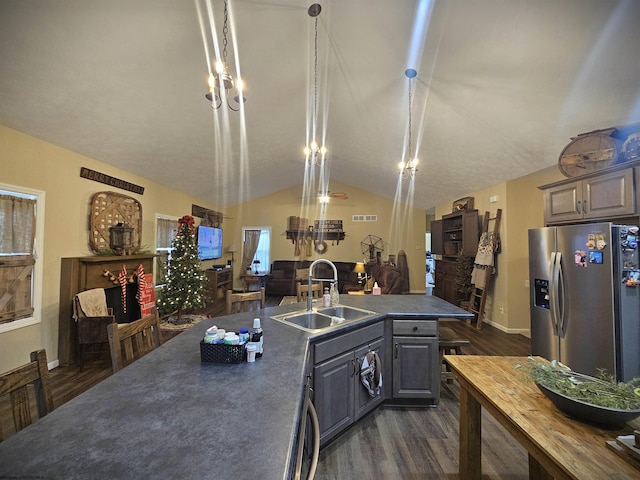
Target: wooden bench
449 345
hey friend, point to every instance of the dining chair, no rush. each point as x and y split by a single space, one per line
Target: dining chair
244 302
16 383
130 341
302 290
92 315
92 336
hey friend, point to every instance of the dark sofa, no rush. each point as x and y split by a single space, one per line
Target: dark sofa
282 279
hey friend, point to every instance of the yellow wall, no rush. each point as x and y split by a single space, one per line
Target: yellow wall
273 210
522 207
32 163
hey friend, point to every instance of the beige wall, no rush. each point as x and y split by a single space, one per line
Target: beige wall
522 207
35 164
273 211
32 163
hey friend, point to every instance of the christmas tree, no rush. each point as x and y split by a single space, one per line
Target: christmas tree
184 288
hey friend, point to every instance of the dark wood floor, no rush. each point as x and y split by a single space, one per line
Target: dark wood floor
390 443
419 443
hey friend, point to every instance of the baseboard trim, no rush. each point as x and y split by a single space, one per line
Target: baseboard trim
511 331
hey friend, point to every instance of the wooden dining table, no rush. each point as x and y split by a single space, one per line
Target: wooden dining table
558 446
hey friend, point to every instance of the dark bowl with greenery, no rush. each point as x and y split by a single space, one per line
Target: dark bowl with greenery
598 401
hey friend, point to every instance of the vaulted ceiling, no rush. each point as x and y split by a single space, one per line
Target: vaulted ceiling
502 85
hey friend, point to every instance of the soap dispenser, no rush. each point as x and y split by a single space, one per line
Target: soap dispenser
335 297
326 298
376 289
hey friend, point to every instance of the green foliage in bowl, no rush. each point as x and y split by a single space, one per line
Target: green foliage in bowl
603 392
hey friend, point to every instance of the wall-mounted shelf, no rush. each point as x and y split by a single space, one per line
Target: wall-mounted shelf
294 235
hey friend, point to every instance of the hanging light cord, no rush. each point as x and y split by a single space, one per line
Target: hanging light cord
315 80
410 148
225 30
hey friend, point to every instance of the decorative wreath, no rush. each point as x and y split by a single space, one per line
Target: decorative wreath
320 246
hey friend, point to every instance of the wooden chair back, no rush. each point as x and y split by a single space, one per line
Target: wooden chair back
16 382
244 302
92 335
130 341
302 290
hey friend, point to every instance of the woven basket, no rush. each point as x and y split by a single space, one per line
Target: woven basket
222 353
450 248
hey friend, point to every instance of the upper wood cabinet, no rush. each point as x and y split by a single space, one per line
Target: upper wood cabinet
455 232
592 197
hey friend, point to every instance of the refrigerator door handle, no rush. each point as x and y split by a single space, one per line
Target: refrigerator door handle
560 288
553 292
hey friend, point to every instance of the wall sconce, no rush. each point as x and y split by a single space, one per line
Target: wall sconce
121 239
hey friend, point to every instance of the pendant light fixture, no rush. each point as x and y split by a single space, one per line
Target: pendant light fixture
221 83
315 153
409 168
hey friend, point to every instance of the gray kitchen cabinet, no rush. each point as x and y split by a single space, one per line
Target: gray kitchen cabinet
589 198
339 396
416 367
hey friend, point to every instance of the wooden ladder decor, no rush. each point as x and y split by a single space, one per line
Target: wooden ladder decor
484 266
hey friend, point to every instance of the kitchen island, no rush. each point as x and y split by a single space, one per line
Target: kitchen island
170 416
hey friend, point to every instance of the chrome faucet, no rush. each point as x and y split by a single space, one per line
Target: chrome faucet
311 279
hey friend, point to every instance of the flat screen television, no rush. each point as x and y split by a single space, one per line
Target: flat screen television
209 243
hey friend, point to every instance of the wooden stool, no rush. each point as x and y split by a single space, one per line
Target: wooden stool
449 345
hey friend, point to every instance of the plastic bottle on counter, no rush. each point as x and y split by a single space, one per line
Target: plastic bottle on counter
244 335
257 337
211 335
335 296
376 289
326 298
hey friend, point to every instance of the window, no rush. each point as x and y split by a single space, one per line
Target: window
166 230
21 248
264 247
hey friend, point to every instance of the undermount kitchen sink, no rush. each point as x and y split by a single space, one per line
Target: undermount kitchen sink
323 318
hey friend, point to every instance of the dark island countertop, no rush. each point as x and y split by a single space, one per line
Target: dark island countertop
170 416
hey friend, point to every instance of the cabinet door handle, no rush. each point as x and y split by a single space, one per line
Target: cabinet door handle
578 209
584 206
415 329
354 363
396 354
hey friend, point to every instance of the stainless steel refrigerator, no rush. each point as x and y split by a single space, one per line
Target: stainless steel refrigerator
585 297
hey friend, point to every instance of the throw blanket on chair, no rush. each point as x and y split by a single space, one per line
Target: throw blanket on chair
484 259
90 303
392 280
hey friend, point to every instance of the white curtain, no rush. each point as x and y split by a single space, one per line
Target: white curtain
251 239
166 232
17 225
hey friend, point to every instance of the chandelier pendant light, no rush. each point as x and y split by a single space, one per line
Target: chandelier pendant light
221 82
409 168
314 153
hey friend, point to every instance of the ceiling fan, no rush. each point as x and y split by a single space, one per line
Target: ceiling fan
329 196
